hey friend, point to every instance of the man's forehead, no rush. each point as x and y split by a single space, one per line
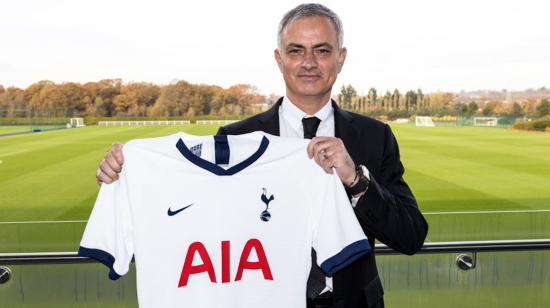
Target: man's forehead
313 29
308 21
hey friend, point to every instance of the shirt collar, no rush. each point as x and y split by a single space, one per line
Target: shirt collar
293 115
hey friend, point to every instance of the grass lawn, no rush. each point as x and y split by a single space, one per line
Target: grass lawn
13 129
49 176
471 183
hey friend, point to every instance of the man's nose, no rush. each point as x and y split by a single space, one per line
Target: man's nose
309 61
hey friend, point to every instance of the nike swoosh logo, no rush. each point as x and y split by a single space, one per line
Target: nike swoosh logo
172 213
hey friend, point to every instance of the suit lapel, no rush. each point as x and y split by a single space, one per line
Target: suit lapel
343 125
269 120
345 129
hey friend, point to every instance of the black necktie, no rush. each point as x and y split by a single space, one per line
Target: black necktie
316 281
310 126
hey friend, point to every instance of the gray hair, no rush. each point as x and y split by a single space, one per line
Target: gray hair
312 10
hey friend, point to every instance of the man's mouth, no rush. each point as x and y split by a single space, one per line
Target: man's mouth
309 77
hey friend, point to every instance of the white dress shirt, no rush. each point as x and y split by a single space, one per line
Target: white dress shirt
290 120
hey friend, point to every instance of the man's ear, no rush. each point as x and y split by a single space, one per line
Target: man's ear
277 55
342 58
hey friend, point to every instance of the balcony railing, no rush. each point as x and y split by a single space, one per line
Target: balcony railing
381 249
513 273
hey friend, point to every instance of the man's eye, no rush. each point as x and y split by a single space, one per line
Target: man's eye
294 51
323 51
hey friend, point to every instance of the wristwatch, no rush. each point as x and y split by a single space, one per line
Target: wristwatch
362 172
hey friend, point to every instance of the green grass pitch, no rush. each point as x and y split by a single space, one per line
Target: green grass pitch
49 176
14 129
471 183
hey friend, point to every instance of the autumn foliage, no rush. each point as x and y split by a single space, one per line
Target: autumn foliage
112 97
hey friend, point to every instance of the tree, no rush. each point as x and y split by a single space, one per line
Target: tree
74 94
108 89
347 93
122 103
12 101
386 101
411 99
543 109
140 96
98 109
517 111
441 101
395 97
472 108
488 109
461 109
529 106
174 100
372 97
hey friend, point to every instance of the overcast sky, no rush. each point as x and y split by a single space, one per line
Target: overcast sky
430 44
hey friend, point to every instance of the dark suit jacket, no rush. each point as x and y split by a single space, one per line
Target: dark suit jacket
387 211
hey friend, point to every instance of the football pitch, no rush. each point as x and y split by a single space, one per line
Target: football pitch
472 183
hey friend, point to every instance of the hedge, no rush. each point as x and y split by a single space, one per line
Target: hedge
93 121
34 121
538 125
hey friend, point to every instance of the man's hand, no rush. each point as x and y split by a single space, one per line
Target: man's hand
111 165
330 152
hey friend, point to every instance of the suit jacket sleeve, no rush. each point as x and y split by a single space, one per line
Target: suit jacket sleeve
388 210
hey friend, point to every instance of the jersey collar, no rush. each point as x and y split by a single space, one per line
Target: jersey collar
207 165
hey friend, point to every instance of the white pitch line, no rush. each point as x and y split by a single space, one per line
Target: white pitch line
42 222
486 212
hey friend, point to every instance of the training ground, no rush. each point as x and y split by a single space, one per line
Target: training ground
472 183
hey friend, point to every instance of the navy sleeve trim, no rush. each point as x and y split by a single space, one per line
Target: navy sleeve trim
102 256
345 257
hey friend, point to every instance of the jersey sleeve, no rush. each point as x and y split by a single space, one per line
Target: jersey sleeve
338 238
108 237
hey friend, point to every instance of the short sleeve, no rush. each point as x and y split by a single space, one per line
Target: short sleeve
338 238
108 237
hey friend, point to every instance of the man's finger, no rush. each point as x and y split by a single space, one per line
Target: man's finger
108 171
316 158
113 163
311 147
327 166
116 150
316 144
97 177
102 178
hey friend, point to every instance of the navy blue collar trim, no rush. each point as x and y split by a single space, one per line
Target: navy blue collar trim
202 163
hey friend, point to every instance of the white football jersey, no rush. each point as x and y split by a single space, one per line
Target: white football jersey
222 221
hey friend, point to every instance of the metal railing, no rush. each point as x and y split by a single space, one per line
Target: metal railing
380 249
454 279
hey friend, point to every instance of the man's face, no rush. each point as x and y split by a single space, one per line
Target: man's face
309 58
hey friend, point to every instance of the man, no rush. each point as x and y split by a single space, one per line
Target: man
362 151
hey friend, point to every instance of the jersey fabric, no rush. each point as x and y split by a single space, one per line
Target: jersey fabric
222 221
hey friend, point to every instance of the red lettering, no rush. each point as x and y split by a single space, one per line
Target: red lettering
206 265
262 263
226 264
190 269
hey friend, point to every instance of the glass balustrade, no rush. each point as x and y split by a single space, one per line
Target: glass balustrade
506 278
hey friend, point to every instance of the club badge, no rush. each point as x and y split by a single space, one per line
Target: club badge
266 216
